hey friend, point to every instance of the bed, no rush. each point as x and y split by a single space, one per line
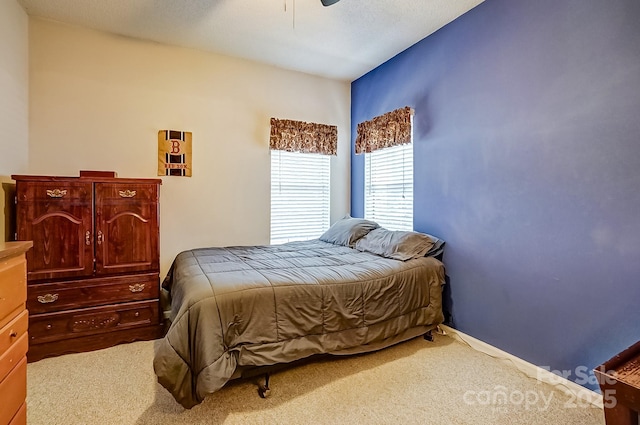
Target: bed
234 308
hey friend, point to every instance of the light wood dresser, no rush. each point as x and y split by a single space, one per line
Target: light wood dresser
14 342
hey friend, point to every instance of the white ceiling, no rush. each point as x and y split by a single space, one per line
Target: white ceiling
342 41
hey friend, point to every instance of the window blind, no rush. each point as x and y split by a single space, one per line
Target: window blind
389 187
299 196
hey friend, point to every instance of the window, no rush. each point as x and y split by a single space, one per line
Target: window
299 195
388 191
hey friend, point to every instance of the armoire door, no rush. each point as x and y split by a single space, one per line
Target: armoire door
58 217
126 227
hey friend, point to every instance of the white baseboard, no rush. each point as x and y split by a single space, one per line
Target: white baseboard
562 384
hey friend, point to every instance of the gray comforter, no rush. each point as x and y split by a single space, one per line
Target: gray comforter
262 305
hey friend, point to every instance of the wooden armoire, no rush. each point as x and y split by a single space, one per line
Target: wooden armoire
93 272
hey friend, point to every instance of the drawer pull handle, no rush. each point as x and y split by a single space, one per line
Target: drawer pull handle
127 193
13 333
48 298
56 193
138 287
49 326
136 314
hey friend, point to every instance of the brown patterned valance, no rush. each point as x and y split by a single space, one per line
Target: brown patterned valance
305 137
384 131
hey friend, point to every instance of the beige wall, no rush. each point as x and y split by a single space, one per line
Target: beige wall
98 100
14 93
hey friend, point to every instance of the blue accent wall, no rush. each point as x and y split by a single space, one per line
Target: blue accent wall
527 162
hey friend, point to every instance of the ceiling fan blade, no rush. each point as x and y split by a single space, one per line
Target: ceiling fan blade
328 2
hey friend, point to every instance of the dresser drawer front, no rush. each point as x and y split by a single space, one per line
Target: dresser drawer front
55 191
11 333
13 284
13 392
74 323
54 297
127 192
21 417
10 358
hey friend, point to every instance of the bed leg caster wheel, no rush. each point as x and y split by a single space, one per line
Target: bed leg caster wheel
263 389
428 336
264 392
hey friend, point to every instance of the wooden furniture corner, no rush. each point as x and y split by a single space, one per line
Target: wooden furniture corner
13 332
619 379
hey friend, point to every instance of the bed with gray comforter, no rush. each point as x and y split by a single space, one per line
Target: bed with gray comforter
238 307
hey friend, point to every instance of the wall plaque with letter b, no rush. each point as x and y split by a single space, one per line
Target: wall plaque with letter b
174 153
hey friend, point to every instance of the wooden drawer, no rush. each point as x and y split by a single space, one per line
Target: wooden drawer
10 358
13 289
10 333
127 192
55 191
53 297
21 417
13 392
49 327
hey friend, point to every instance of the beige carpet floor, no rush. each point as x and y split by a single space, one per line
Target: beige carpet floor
416 382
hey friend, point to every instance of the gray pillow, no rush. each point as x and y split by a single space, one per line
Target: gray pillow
347 231
437 250
398 244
